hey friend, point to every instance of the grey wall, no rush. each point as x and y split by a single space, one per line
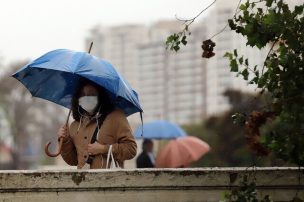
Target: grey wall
208 184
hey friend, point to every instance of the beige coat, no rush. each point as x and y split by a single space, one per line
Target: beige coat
114 131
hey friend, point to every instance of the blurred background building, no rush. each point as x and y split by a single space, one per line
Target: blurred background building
171 84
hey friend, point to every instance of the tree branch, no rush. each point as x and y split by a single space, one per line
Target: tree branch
269 54
235 13
193 19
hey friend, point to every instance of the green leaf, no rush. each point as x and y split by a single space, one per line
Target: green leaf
184 41
255 80
169 39
257 74
260 45
235 52
249 28
298 10
245 74
251 41
176 48
241 60
255 68
234 66
246 15
228 55
269 3
243 7
247 4
231 24
263 80
270 18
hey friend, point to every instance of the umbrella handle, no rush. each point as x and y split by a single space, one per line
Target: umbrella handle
46 148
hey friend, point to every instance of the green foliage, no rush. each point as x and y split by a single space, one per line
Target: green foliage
174 41
239 118
246 192
282 75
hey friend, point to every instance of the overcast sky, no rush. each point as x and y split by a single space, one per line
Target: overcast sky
29 28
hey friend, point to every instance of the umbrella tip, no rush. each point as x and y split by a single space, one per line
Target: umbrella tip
90 47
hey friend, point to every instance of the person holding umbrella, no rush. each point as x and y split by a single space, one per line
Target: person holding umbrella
99 99
93 111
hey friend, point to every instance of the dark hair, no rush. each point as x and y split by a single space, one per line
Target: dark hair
145 143
105 104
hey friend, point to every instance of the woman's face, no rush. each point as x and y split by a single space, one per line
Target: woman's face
89 90
88 99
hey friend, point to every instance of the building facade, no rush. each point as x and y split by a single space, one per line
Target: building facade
172 85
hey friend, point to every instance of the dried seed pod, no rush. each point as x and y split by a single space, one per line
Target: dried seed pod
207 47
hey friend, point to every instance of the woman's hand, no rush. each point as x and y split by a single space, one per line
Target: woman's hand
97 148
63 132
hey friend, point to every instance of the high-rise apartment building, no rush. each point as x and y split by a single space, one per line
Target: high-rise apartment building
172 84
119 45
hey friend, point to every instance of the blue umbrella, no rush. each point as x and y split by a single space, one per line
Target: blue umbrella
159 129
56 75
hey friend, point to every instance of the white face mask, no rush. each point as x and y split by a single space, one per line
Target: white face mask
88 103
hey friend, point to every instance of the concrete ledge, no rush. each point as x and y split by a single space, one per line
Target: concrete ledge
204 184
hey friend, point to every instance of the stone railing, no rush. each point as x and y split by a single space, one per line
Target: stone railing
203 184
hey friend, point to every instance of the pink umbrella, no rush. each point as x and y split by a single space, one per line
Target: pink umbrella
181 152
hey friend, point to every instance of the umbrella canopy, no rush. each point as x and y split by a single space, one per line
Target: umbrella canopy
55 76
159 129
181 152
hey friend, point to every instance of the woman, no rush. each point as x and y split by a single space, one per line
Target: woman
93 110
